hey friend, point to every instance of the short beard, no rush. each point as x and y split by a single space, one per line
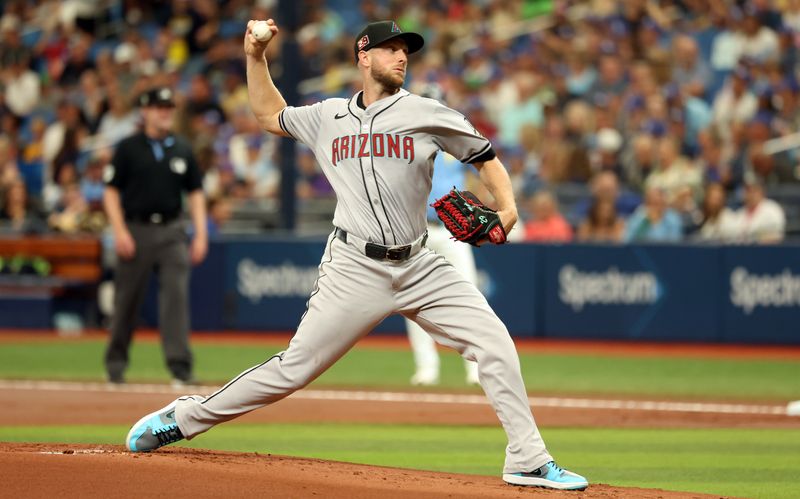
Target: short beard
390 82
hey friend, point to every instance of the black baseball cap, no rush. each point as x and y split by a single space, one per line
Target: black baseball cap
378 32
158 96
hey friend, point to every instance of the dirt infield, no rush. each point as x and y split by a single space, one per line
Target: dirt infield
69 470
64 470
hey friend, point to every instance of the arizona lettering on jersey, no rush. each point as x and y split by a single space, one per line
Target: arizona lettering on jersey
376 200
382 145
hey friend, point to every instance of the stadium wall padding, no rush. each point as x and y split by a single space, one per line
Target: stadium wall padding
695 293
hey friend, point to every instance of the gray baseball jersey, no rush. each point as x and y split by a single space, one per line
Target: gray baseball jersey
379 161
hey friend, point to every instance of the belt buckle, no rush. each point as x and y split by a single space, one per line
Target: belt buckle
399 253
375 251
156 218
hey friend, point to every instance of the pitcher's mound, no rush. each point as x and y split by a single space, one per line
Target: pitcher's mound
72 470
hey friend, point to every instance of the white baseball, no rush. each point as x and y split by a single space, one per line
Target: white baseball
261 31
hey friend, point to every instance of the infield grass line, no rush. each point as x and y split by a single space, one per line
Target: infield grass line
417 398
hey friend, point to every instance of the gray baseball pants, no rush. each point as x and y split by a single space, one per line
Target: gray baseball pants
353 294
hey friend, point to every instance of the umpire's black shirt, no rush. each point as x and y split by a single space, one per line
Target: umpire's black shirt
151 175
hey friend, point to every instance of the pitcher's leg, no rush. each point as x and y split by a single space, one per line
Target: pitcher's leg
462 259
484 338
458 315
350 299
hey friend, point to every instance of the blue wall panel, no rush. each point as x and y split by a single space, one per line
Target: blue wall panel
631 292
663 293
761 294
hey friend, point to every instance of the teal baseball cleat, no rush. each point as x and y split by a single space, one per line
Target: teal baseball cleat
155 430
548 476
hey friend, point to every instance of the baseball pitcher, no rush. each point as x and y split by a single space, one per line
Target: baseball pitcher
377 149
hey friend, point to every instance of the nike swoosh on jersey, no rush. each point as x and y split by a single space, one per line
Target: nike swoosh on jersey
337 117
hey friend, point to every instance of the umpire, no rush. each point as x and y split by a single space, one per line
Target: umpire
143 199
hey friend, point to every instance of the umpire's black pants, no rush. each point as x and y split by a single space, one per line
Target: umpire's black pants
162 248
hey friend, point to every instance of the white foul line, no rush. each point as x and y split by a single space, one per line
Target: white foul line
416 398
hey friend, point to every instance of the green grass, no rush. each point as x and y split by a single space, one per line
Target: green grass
738 462
733 462
672 377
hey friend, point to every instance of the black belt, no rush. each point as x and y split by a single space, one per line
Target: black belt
381 252
152 218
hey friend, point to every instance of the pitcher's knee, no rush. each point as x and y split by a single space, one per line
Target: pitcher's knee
499 344
299 370
300 380
500 351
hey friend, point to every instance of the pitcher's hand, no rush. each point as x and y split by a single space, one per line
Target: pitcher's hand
253 47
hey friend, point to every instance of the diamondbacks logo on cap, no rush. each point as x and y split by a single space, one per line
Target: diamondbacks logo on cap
396 28
363 42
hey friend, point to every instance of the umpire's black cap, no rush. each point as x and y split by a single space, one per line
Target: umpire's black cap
158 97
378 32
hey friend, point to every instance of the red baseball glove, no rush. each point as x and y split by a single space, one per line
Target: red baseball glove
468 219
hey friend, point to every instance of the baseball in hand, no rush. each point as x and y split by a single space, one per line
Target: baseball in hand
261 31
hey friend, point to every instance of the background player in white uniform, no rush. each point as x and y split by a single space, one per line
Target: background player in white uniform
447 173
377 150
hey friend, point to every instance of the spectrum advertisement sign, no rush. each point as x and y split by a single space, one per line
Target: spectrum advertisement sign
762 294
739 294
631 292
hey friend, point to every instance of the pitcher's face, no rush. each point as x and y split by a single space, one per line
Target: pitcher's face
388 62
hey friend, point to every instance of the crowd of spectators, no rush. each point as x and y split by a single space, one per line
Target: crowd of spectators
635 120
